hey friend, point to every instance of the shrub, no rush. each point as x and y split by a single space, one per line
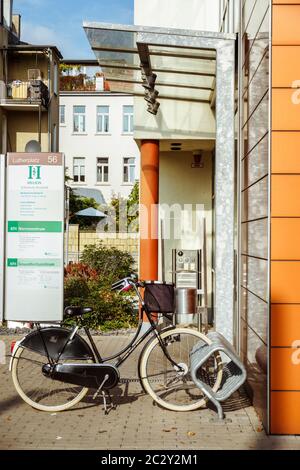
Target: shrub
80 270
111 264
88 284
76 287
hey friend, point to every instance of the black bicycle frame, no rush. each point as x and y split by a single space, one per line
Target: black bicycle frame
123 354
134 343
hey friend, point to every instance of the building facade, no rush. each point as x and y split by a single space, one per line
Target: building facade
96 136
29 88
247 130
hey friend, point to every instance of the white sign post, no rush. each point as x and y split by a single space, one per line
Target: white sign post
34 265
2 231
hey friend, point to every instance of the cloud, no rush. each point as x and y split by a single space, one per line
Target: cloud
59 23
38 34
30 2
71 44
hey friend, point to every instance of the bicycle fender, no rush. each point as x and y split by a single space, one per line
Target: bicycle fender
53 340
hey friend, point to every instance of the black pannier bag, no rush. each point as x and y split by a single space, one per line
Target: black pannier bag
159 297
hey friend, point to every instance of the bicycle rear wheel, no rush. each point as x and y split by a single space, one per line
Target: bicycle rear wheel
169 386
39 391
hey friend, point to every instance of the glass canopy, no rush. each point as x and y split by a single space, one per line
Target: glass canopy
182 73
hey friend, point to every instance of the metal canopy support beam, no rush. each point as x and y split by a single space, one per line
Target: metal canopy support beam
212 98
169 32
171 85
144 55
157 53
224 165
178 98
148 78
87 62
111 65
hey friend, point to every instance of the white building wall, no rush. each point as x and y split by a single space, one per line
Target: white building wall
185 14
181 184
175 120
115 144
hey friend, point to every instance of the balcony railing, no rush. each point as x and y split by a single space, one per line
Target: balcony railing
30 91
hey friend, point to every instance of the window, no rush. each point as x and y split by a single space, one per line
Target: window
129 170
79 119
127 119
62 114
102 170
79 170
102 119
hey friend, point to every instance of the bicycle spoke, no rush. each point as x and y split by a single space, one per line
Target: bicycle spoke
175 387
33 361
39 388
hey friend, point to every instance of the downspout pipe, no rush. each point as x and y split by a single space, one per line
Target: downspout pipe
50 88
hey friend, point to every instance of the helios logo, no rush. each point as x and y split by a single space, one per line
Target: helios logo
34 172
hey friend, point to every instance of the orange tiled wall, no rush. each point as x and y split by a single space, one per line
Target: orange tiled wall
285 220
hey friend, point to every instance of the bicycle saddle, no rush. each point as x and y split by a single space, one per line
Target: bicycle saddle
77 311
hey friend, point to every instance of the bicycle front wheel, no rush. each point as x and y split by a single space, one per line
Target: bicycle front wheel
40 392
169 386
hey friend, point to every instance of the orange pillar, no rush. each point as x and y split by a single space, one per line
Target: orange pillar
149 188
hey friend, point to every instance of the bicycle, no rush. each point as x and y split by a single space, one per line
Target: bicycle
53 367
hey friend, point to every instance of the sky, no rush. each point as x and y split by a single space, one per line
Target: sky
59 22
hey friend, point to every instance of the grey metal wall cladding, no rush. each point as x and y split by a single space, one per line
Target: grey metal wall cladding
254 69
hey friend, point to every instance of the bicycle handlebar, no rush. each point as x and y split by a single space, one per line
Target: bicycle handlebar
126 283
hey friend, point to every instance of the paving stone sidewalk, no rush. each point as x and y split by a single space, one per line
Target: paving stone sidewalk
136 423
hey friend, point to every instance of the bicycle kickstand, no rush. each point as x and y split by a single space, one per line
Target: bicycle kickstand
107 406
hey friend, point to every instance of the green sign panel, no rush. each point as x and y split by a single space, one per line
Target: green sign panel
34 226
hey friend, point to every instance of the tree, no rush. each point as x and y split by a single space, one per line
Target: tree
123 213
79 203
133 208
66 69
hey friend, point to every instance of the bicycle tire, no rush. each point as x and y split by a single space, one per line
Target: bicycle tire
150 385
34 404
